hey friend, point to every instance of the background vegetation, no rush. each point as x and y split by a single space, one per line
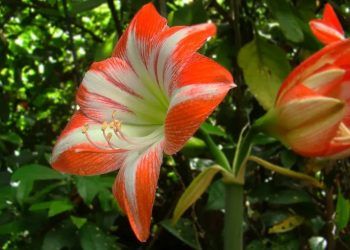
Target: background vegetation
45 48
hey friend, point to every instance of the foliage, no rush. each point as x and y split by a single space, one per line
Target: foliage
45 48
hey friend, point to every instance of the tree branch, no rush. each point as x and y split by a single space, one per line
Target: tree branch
116 20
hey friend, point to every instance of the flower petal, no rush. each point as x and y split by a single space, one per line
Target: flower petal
308 122
111 85
135 187
336 54
330 17
146 25
201 69
175 47
328 29
189 107
74 154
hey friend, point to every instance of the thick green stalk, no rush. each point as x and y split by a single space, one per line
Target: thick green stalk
233 224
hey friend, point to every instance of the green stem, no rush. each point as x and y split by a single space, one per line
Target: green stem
219 156
286 172
233 229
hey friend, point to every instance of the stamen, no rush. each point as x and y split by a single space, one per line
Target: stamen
104 126
108 138
84 130
115 125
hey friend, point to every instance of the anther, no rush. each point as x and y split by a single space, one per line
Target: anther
104 125
85 128
114 114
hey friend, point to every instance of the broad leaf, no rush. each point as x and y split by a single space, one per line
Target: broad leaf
93 238
195 190
78 222
88 187
213 130
36 172
286 225
289 196
183 230
216 199
12 138
287 20
342 212
264 67
81 6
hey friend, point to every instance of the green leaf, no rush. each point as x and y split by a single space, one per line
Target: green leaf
192 13
93 238
61 237
193 147
40 206
288 158
23 190
287 20
36 172
195 190
104 50
6 194
12 138
342 213
287 224
57 207
184 230
81 6
243 148
287 197
11 227
28 174
213 130
256 245
78 222
88 187
216 198
264 67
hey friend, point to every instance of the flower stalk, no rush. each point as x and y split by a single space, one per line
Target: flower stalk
233 223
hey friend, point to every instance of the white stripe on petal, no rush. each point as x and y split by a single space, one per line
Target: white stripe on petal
321 79
328 30
198 91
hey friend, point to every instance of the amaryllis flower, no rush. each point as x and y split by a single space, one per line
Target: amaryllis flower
328 29
312 110
148 98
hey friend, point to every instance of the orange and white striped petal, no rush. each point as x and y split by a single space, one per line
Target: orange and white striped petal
203 70
328 29
189 107
333 56
175 47
74 154
135 187
146 26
